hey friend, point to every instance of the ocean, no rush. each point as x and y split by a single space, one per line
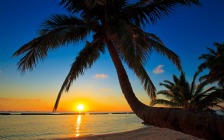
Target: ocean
21 127
45 126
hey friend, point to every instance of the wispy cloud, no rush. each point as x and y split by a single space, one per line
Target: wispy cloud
101 76
159 69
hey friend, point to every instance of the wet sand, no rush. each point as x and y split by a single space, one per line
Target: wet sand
146 133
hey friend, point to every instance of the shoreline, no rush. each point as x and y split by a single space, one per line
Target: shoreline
149 132
63 113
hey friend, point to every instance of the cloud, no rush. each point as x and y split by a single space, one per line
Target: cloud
101 76
158 69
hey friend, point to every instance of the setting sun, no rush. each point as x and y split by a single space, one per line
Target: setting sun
80 107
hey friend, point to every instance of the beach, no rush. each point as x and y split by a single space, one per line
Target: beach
146 133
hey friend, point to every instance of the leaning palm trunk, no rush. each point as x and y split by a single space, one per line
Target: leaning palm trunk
202 125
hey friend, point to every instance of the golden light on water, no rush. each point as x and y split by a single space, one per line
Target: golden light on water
78 123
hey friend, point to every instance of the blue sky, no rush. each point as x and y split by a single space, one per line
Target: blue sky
187 31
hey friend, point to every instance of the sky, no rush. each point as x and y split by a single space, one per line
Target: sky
187 31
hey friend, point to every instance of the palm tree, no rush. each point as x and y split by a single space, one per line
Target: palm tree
213 61
214 99
188 96
114 25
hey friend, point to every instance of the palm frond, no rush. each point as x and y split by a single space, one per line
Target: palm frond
213 99
149 11
213 61
74 6
62 21
209 90
219 106
168 94
58 30
136 43
201 87
176 80
192 97
165 102
98 9
145 80
81 63
205 77
131 41
141 73
135 46
193 85
167 85
212 52
202 66
133 49
184 87
158 46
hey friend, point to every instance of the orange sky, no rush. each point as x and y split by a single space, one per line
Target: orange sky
98 102
103 104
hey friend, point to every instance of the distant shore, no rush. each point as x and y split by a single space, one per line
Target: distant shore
218 112
62 113
146 133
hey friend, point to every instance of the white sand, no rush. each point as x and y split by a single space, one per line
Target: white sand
147 133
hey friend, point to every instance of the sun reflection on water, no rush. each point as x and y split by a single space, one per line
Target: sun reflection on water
78 123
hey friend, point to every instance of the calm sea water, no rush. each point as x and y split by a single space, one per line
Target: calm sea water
55 126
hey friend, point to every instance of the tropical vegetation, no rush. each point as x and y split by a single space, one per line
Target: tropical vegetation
214 62
116 26
190 96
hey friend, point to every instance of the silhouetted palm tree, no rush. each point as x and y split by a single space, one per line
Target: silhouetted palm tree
189 96
115 25
214 62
